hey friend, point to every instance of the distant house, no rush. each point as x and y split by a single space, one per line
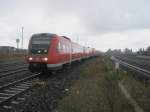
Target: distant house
11 50
147 51
7 50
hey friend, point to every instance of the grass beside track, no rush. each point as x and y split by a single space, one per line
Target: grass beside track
138 88
11 58
96 91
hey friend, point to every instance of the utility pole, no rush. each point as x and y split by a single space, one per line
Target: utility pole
22 28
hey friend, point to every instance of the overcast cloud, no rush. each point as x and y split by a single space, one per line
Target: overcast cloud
101 24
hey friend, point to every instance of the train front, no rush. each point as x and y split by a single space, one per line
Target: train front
39 47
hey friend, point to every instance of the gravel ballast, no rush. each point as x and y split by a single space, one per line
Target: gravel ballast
52 89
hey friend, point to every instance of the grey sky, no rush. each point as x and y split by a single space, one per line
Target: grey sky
98 23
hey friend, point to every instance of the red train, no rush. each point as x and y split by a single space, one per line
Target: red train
50 52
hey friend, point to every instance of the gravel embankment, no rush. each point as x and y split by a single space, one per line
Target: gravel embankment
52 90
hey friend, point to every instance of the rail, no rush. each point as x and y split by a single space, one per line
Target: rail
133 67
11 90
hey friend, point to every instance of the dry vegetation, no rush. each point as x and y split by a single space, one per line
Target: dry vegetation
12 57
96 91
138 89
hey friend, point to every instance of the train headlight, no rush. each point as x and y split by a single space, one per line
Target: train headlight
30 59
45 59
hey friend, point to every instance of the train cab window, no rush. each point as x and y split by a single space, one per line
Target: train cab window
40 44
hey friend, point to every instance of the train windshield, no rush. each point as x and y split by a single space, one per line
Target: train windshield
40 44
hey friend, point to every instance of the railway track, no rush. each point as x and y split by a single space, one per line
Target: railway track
8 73
12 64
142 63
14 74
144 72
15 81
12 68
13 89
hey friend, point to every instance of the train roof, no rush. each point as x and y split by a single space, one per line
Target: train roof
44 34
50 35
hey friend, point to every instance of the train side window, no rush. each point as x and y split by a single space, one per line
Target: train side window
72 50
67 49
59 47
64 50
